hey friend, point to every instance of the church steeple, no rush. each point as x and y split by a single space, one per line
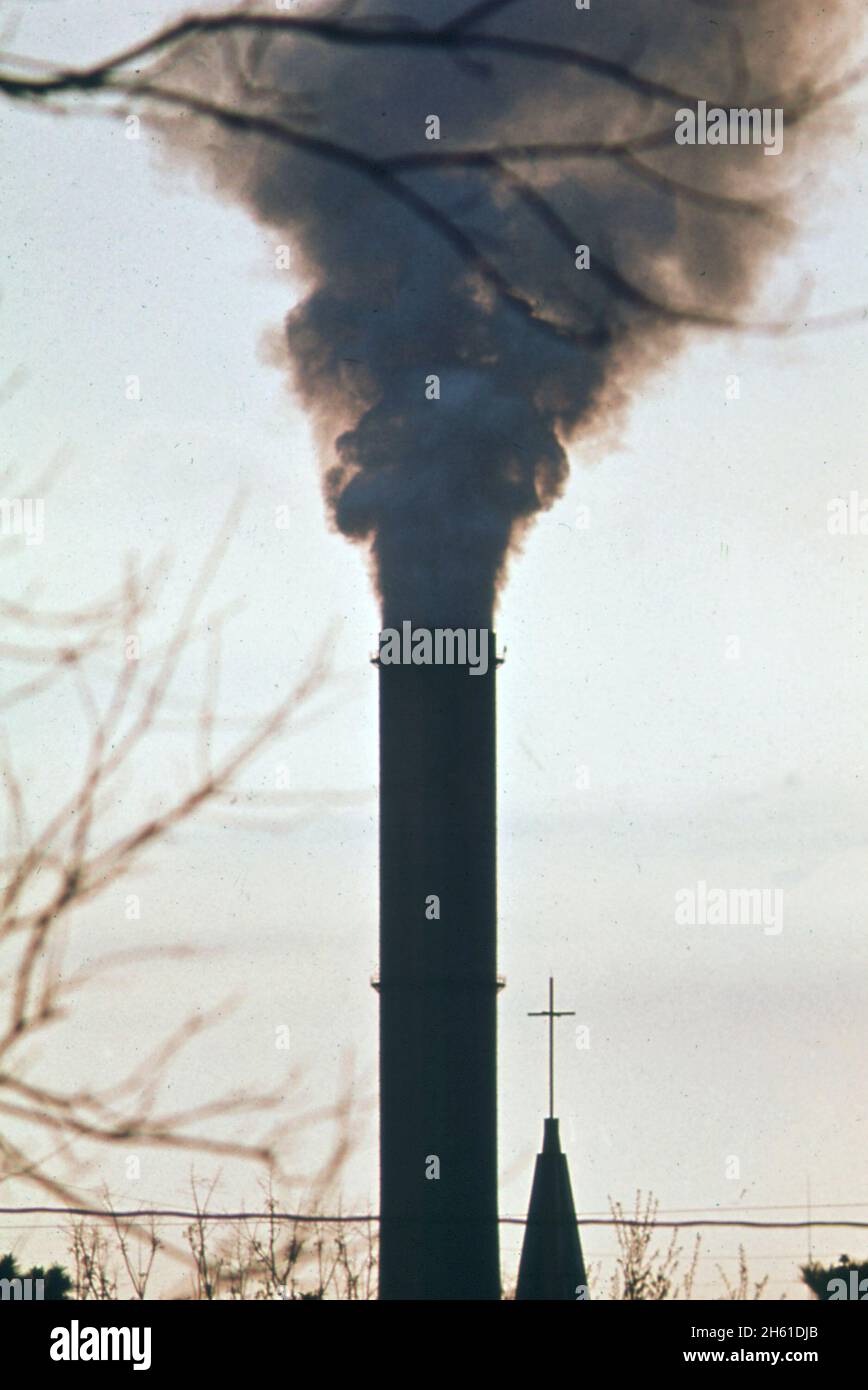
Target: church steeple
552 1265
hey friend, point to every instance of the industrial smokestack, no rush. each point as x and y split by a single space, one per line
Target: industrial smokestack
505 216
438 981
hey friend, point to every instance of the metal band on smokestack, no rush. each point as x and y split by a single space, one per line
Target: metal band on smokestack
438 983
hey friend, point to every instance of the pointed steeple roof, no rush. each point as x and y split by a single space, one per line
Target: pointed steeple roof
552 1265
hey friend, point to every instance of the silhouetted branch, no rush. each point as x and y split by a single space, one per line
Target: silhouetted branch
456 36
160 53
51 873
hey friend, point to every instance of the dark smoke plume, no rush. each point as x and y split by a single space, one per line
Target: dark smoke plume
464 268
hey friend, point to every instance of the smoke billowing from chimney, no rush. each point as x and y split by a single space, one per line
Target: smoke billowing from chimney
529 350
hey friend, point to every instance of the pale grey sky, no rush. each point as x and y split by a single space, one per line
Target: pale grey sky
707 521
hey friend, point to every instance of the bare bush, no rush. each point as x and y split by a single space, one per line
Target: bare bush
644 1273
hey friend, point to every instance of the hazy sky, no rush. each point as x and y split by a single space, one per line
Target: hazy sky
708 521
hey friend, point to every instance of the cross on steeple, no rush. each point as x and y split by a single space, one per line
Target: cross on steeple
551 1015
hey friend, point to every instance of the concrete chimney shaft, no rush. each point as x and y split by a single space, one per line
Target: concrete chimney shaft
438 983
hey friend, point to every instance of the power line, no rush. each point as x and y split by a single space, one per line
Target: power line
791 1206
354 1219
